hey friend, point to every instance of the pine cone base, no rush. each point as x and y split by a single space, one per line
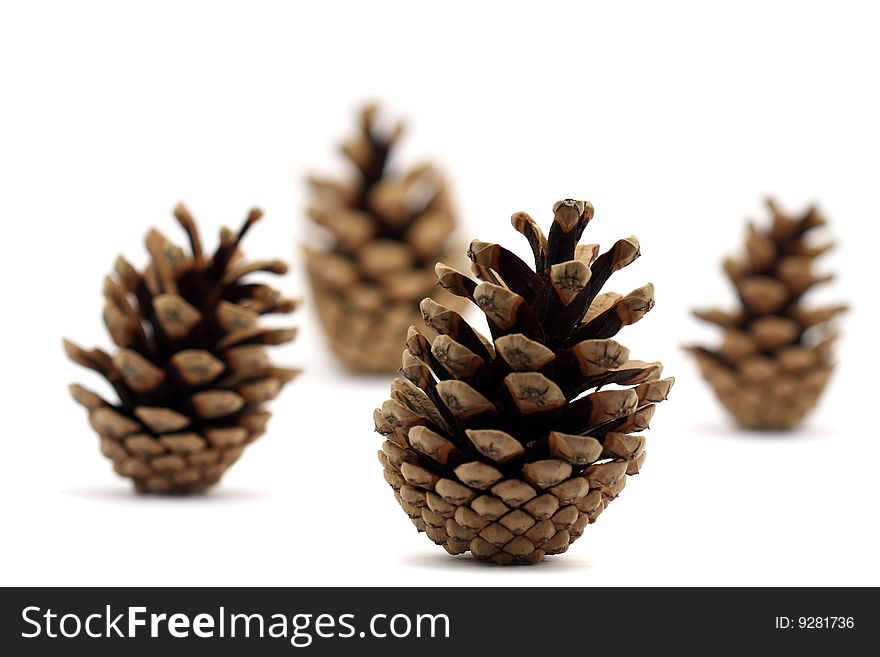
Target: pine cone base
179 464
775 405
366 340
510 522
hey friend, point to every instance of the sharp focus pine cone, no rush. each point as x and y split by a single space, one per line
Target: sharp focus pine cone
508 449
387 232
775 358
191 372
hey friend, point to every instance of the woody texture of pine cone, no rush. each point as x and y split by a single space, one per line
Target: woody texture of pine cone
509 448
776 356
385 230
191 373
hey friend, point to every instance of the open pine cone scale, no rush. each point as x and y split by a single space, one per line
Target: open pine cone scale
508 448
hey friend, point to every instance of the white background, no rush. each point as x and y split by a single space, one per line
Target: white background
674 119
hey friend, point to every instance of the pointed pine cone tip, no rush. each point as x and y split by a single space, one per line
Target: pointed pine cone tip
433 445
533 392
476 247
110 287
523 354
280 336
499 304
253 216
529 228
629 251
586 253
644 293
462 399
654 392
523 223
417 343
430 308
368 111
415 370
174 315
286 306
599 356
774 207
126 272
568 212
498 446
451 279
546 473
81 356
441 270
278 267
287 374
575 449
154 239
456 358
380 424
139 374
183 215
85 397
71 349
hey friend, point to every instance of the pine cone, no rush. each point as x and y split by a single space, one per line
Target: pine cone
387 232
508 450
775 359
191 373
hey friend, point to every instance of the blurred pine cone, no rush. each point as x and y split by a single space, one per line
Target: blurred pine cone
387 231
191 372
776 356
